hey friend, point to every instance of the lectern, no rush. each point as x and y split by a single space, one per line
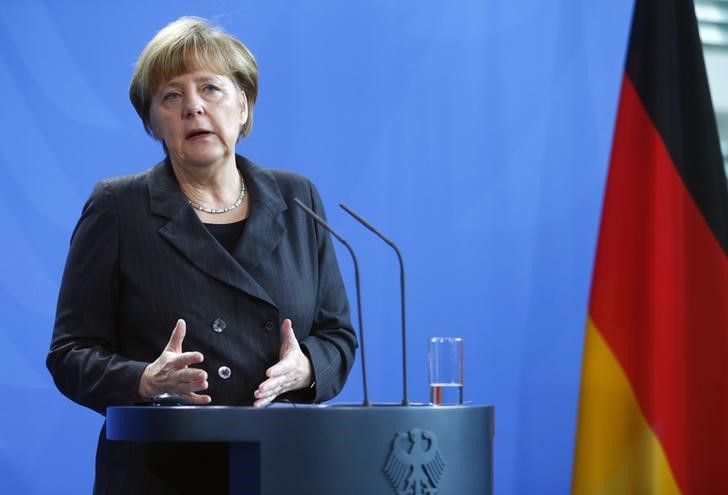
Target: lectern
331 450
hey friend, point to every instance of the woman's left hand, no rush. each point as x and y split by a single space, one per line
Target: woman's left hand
292 372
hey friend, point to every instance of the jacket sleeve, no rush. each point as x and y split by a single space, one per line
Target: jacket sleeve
331 343
82 358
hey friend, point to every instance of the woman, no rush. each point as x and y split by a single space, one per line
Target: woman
198 277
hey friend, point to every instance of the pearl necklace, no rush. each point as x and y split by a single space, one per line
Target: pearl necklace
216 211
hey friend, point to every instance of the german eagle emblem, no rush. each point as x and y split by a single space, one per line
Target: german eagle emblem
414 466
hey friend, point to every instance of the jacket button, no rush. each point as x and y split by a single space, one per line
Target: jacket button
269 325
224 372
219 325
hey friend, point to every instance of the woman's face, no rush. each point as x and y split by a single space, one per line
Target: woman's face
199 115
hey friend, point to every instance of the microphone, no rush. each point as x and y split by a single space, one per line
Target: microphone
325 225
405 399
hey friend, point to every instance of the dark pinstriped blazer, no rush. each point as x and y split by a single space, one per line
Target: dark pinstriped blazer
140 259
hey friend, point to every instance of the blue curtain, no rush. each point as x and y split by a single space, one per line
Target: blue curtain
475 133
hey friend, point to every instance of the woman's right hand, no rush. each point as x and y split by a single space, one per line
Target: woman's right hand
170 372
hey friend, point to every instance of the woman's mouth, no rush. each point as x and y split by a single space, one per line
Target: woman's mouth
198 133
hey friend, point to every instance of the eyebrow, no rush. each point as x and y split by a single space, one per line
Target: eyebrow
174 84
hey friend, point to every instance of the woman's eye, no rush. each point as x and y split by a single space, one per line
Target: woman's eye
211 88
171 96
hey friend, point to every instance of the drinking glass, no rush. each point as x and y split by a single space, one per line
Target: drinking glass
445 357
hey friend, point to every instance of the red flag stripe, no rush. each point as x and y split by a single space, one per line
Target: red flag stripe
665 65
660 299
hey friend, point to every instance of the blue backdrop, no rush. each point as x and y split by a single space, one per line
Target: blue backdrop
474 132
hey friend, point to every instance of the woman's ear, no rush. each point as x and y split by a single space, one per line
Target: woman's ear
243 109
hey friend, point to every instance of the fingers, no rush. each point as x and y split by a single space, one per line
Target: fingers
183 388
263 402
186 359
281 368
174 375
184 381
196 399
171 372
192 375
270 389
181 379
178 335
282 376
290 373
275 386
287 329
288 338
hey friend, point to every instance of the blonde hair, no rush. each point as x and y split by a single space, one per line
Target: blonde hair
185 45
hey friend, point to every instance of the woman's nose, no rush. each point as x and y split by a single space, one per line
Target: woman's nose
193 106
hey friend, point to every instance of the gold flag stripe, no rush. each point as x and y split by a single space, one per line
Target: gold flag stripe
617 452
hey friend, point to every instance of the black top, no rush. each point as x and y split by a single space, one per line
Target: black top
227 234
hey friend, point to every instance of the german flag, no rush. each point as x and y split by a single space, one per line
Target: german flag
653 410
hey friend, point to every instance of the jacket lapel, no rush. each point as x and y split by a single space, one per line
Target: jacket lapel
264 228
186 233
